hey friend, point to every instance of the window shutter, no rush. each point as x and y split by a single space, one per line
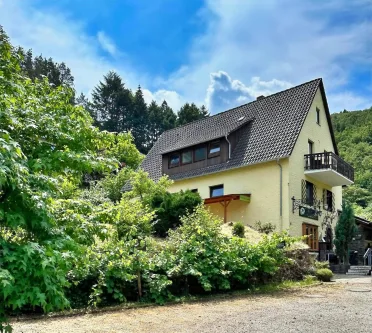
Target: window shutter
314 196
333 203
303 191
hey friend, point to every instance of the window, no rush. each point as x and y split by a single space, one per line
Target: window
194 190
186 157
308 191
311 146
216 191
214 149
328 200
174 160
317 116
200 154
312 232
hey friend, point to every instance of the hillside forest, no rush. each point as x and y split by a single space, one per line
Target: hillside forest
353 131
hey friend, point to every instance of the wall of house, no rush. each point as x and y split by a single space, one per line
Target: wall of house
262 181
321 138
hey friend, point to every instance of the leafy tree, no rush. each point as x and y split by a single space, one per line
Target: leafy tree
190 112
344 232
84 102
44 140
144 188
112 104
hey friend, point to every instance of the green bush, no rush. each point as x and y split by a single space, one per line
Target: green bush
324 274
195 258
265 228
170 207
321 264
238 230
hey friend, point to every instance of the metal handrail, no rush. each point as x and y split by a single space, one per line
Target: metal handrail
368 256
329 160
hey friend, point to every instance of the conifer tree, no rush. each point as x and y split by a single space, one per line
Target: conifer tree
140 122
190 112
344 232
112 104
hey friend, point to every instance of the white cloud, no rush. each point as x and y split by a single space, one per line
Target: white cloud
174 100
106 43
292 41
224 93
347 101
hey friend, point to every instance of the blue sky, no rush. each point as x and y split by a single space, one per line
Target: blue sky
221 53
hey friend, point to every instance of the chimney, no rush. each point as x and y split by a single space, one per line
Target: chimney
260 97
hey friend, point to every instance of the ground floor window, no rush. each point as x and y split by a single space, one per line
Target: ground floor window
216 191
312 232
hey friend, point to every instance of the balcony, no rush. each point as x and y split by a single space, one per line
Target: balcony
329 168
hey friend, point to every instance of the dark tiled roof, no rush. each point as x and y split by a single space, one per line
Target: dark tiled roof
272 125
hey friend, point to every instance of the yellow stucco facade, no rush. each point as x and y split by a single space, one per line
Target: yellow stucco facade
262 181
320 135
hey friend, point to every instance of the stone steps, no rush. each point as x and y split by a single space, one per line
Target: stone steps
359 270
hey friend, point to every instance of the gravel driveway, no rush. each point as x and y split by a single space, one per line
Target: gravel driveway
335 307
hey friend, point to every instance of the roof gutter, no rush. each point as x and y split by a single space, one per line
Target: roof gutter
281 186
229 145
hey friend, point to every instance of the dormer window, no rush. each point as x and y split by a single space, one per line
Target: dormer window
174 160
200 153
214 149
187 157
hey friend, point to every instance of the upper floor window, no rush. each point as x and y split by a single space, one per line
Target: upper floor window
186 157
317 116
174 160
214 149
310 146
200 153
216 191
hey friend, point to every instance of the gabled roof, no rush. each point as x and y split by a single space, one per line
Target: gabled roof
271 128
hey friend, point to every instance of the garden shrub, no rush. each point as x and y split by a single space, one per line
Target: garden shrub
195 258
324 274
170 207
321 264
265 228
238 229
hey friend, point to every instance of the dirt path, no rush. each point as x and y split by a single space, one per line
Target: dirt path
336 307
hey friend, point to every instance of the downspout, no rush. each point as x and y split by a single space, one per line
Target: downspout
281 187
229 145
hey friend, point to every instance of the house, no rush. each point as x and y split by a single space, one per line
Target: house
272 160
362 242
